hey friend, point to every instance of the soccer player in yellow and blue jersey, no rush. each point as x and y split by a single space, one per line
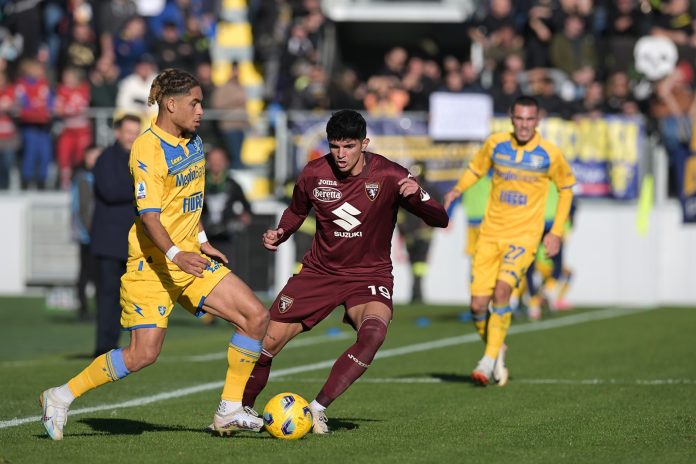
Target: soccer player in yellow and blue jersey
170 260
513 224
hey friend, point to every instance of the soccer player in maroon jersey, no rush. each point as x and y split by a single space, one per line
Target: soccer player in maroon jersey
355 195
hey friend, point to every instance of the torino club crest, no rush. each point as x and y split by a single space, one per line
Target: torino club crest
372 190
285 303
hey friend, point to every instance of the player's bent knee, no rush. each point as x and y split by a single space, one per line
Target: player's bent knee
371 335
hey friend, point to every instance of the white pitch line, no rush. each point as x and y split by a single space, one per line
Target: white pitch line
417 380
418 347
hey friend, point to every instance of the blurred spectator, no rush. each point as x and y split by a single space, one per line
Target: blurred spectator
542 87
197 40
574 51
134 89
25 18
36 100
80 51
670 106
82 193
113 218
418 85
130 45
231 97
625 24
171 51
111 15
226 210
385 96
619 99
470 78
592 102
506 92
72 103
346 91
394 63
674 20
103 82
311 90
208 129
539 30
174 12
9 135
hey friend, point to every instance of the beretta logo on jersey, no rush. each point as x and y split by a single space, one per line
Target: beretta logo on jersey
327 194
372 190
285 303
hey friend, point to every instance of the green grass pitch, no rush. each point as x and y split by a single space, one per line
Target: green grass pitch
589 386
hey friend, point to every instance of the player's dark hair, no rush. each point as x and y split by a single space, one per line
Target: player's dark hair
118 123
169 83
346 125
524 100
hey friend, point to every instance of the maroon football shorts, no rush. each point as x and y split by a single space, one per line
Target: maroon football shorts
308 297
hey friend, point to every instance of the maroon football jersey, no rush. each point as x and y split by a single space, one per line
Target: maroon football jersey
355 215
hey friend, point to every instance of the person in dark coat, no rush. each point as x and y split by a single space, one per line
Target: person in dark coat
113 218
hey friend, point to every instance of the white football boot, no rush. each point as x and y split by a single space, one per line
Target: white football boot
320 422
500 372
55 414
242 419
484 371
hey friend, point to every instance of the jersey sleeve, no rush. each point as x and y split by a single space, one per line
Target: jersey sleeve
562 175
148 178
478 166
425 207
295 214
560 172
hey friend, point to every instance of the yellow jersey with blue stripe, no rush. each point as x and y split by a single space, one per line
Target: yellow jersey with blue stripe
169 178
520 183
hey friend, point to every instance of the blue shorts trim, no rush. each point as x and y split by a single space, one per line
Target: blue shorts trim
141 326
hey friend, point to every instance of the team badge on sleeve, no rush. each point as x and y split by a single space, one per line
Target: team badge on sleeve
285 303
372 190
141 191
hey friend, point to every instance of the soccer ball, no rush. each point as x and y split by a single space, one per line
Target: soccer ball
287 416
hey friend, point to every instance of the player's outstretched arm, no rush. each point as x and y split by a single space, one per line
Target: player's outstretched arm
451 196
191 263
422 205
272 238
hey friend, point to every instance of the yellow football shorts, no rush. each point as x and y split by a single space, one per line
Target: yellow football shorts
148 293
501 259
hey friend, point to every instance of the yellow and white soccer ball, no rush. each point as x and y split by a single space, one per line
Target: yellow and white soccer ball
287 416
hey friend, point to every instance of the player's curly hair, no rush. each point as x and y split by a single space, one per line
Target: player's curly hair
171 82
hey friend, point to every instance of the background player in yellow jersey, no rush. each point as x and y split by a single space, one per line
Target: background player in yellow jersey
522 164
169 259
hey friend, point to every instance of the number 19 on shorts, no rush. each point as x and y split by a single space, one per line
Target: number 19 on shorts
384 291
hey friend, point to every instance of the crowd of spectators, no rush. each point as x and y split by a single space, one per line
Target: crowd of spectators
57 59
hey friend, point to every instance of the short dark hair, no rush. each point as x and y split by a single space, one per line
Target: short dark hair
171 82
346 125
524 100
126 117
